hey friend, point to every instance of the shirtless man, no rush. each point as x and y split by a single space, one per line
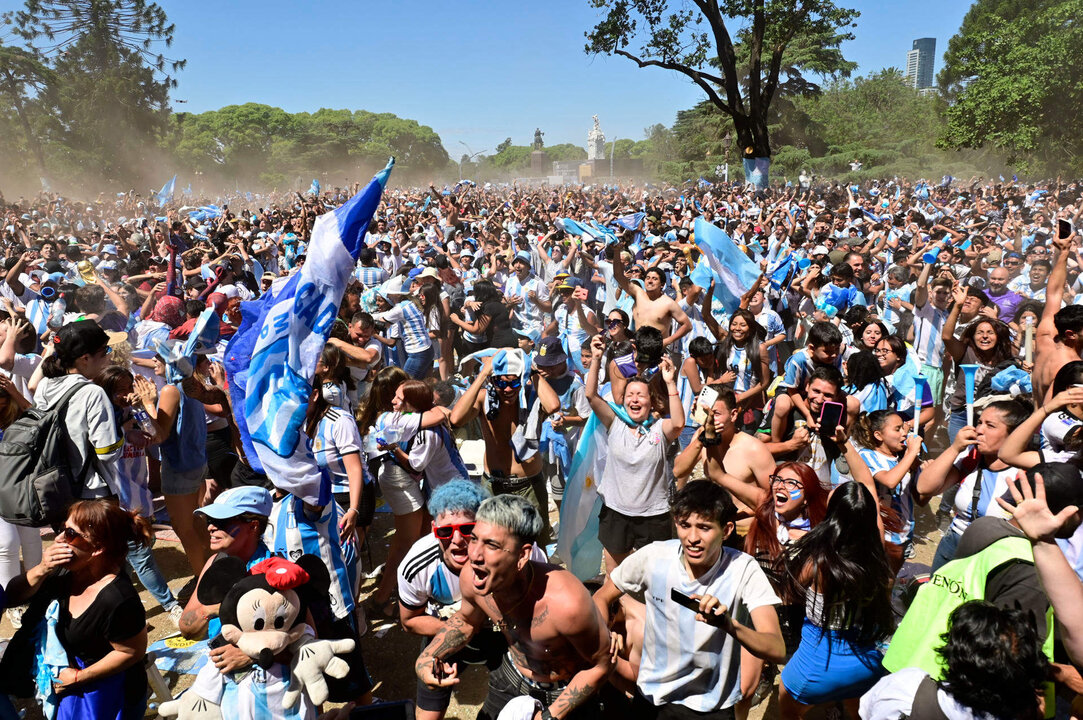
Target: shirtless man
558 646
652 308
513 464
735 460
1059 338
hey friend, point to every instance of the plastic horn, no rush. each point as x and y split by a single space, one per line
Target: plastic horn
969 374
1028 341
919 384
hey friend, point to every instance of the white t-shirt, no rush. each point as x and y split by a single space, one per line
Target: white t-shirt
21 371
1057 430
892 698
685 661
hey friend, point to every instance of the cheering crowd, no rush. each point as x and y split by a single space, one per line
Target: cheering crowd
648 452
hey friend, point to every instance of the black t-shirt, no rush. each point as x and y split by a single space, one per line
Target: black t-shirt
499 330
115 615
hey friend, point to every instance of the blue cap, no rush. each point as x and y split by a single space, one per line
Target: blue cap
109 249
239 501
522 255
531 333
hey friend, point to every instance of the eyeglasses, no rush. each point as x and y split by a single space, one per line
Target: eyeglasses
505 384
1013 262
634 271
446 532
70 534
788 483
883 351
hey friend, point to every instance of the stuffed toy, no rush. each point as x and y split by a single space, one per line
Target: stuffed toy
263 614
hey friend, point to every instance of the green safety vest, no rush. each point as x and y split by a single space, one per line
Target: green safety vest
917 639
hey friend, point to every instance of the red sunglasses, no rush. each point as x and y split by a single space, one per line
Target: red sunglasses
446 532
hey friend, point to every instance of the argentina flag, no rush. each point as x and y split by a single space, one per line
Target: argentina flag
734 272
274 353
166 193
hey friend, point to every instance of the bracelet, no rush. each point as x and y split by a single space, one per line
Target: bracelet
76 678
546 715
349 510
676 394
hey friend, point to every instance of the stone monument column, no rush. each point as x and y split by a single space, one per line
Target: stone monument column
596 142
539 159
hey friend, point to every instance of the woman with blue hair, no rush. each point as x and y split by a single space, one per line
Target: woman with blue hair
429 586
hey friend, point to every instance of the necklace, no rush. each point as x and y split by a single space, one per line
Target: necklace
502 625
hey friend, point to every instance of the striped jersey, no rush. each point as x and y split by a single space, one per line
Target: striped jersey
411 321
993 484
928 321
291 533
900 499
687 662
336 436
254 694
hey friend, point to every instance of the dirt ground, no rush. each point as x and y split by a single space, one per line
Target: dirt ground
390 651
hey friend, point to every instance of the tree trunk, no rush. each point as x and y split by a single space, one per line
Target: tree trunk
755 147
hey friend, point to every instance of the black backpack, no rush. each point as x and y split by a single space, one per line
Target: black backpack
37 484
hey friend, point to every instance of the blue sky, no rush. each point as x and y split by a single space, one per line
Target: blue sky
476 72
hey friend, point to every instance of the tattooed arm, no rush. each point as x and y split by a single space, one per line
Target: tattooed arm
579 621
456 633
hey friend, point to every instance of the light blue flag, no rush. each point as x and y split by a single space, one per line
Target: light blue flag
291 331
577 543
779 272
37 314
188 190
631 221
315 187
573 227
734 272
705 183
166 193
207 212
180 357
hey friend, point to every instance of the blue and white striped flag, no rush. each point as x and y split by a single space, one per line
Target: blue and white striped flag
166 193
631 221
578 544
734 272
779 272
37 314
289 334
573 227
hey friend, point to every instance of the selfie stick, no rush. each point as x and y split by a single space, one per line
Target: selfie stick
1028 341
969 374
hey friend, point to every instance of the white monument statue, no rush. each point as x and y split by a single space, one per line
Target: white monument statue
596 142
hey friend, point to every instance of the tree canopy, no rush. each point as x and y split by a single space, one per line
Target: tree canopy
1012 75
742 53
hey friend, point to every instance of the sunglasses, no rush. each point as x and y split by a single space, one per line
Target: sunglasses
613 322
446 532
71 534
505 384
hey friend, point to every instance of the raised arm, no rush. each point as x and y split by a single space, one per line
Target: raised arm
954 347
673 425
466 409
597 403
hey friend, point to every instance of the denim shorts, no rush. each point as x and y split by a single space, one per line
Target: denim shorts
182 483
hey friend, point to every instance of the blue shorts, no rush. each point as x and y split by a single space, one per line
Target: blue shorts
828 668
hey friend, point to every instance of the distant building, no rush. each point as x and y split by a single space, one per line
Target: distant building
919 63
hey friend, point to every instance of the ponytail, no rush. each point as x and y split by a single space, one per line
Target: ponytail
868 424
53 367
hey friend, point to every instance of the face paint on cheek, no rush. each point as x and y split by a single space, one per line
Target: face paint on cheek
796 494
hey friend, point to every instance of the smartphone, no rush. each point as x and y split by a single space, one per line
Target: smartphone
830 417
708 396
692 604
1064 228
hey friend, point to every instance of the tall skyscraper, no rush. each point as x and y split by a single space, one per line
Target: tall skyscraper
919 63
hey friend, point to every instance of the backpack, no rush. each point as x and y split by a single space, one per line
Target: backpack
37 482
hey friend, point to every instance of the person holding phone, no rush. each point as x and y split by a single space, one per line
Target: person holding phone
696 590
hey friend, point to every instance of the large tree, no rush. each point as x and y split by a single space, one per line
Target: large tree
112 85
1012 74
23 77
739 52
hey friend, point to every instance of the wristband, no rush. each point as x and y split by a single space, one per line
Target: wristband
546 715
76 681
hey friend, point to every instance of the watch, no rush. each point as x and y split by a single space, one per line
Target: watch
546 715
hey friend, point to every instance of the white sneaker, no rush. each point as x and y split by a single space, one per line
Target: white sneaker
175 615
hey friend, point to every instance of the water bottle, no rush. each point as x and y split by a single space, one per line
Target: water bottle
56 313
143 418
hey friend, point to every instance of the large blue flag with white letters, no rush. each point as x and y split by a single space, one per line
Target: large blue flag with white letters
272 357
